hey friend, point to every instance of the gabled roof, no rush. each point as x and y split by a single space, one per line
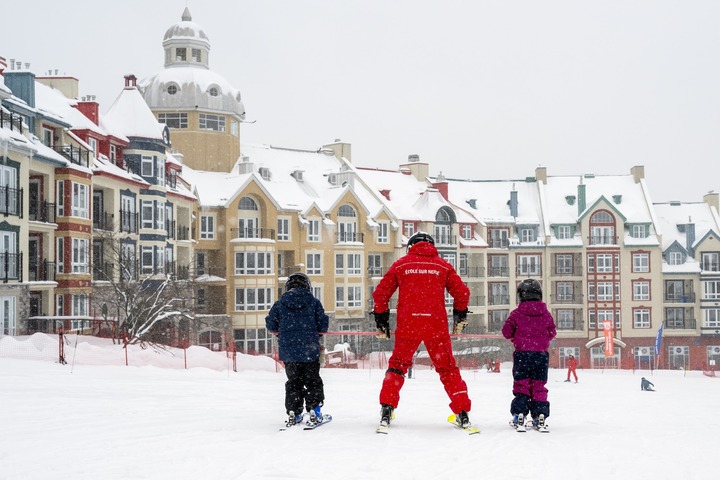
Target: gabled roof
598 201
130 116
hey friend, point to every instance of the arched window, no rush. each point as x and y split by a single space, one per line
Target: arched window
602 228
442 230
347 224
248 218
172 89
214 91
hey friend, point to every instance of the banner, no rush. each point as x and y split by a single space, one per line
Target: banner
658 341
609 347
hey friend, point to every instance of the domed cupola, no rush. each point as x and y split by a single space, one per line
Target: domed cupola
186 44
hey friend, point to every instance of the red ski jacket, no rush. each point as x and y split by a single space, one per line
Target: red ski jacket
422 278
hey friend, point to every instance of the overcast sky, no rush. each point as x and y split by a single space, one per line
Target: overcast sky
479 89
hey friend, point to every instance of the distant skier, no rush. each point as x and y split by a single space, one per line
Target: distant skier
530 327
646 385
299 320
422 277
572 366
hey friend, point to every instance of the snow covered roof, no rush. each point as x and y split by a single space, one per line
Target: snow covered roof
130 116
675 216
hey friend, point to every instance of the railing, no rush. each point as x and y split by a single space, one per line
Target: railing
104 272
565 298
10 266
77 155
498 243
11 201
477 300
681 324
128 221
42 211
445 239
472 272
211 271
267 233
183 233
170 228
41 271
573 325
710 266
103 221
498 271
525 271
575 271
347 237
499 300
11 121
376 271
602 240
680 297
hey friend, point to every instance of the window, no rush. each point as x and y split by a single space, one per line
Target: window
641 318
375 265
354 297
313 231
602 229
80 249
80 309
60 254
128 219
641 290
207 227
339 264
354 264
408 229
147 210
450 258
234 127
641 262
712 318
498 237
605 291
210 121
214 91
47 136
146 166
180 54
60 193
253 263
147 260
248 218
565 319
80 193
675 258
339 297
253 299
253 341
499 294
711 290
93 144
173 120
314 264
565 291
675 317
283 229
10 261
382 232
463 264
564 232
171 89
196 55
639 231
527 235
128 261
603 263
441 233
563 264
678 357
498 265
528 264
710 261
347 226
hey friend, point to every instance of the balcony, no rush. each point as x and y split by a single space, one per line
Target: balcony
567 298
570 325
103 272
183 232
498 243
477 300
103 221
472 272
350 237
569 271
287 271
10 266
128 221
376 271
498 271
444 240
680 297
11 121
710 266
77 155
170 228
11 201
41 271
499 300
603 240
686 323
250 233
42 211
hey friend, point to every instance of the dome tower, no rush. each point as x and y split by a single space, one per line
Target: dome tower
201 108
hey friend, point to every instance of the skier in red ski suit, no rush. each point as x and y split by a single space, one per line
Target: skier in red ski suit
422 278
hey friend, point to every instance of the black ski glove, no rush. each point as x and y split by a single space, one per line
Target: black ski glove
460 320
382 323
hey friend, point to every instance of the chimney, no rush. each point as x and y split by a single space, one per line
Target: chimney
130 81
442 185
339 149
712 199
513 203
90 108
541 175
418 169
690 237
385 193
22 85
638 173
581 197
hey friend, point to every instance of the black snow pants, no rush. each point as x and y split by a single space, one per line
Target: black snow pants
304 386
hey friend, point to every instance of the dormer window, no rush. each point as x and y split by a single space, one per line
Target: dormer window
298 175
639 231
172 89
213 91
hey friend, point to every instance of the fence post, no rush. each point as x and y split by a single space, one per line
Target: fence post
61 347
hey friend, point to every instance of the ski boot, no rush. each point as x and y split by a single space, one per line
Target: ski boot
518 422
315 416
293 419
539 424
386 415
462 419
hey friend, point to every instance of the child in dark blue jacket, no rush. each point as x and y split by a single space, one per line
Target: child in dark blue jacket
299 320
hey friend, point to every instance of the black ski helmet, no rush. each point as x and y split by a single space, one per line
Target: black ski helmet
420 237
529 289
297 280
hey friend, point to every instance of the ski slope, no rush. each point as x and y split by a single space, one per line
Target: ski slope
118 422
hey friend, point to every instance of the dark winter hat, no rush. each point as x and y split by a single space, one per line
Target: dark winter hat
529 290
297 280
420 237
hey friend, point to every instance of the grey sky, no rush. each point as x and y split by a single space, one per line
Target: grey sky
479 89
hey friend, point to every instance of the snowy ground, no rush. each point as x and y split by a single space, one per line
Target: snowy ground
116 422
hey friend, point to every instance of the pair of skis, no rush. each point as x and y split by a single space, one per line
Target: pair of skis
384 428
522 428
307 425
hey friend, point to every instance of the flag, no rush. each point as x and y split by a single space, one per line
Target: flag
609 347
658 340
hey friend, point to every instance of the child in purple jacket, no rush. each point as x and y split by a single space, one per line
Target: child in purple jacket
530 327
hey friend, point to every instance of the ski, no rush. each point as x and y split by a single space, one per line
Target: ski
382 428
542 429
312 426
470 430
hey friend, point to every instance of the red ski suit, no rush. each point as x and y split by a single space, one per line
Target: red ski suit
422 278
